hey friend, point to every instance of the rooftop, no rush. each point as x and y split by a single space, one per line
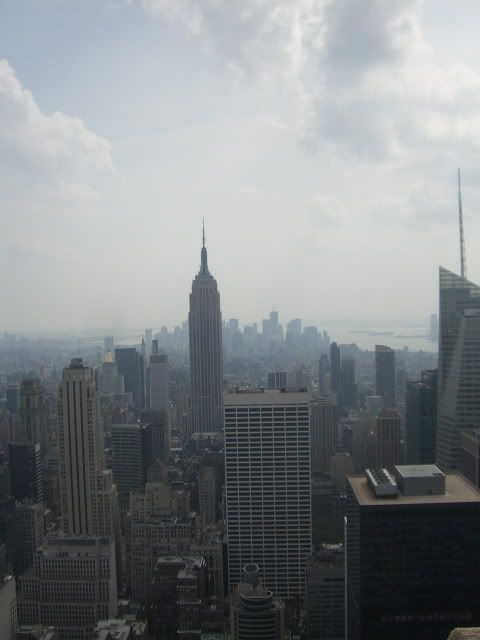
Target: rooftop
457 491
265 396
417 471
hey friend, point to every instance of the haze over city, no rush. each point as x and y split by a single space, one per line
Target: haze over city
320 140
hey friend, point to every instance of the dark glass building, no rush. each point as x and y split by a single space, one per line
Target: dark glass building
335 367
385 375
413 567
25 465
131 365
421 418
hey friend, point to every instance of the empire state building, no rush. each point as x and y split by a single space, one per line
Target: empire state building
206 356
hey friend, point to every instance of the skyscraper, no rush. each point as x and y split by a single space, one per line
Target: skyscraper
413 569
33 413
131 365
335 367
385 375
459 365
323 433
347 383
26 471
421 418
389 440
88 497
268 492
158 381
206 357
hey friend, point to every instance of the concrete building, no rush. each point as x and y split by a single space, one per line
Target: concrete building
71 586
323 432
206 356
33 413
385 375
268 490
325 594
458 365
421 418
254 613
388 438
411 552
207 495
8 607
29 532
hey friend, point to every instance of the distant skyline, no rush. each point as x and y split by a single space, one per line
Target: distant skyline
320 140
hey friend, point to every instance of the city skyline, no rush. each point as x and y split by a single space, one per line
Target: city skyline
266 116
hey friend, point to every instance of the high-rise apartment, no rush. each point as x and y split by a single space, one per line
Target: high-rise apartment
268 491
421 418
413 569
459 365
206 357
385 375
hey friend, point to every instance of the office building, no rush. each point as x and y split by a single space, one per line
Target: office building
324 386
421 418
470 455
348 388
373 404
458 365
33 413
323 433
71 586
29 532
111 382
12 398
268 492
148 342
158 382
207 495
325 594
254 612
131 365
277 380
385 375
390 450
206 356
413 569
335 367
8 607
156 436
341 465
25 465
127 460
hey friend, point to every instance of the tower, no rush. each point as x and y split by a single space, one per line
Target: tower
206 357
385 375
458 365
34 413
268 491
335 367
159 373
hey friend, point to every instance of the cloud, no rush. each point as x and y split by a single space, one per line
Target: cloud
53 146
363 75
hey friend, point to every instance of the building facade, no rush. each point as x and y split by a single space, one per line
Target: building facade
385 375
268 490
421 418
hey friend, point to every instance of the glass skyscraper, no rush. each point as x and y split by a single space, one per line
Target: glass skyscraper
459 365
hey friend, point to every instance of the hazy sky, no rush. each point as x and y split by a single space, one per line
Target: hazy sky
320 139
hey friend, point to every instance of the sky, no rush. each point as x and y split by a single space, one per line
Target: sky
319 139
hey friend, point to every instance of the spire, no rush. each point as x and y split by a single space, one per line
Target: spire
463 265
203 263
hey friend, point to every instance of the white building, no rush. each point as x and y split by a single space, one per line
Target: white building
268 493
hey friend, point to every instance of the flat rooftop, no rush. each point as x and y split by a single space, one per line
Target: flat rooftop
418 471
265 396
457 490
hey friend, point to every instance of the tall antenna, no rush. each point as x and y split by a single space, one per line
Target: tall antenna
203 232
463 263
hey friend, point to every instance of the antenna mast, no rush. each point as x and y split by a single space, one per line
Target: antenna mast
463 263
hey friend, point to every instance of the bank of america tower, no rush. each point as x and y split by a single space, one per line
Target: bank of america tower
206 356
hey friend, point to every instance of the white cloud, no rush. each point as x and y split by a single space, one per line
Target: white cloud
56 146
